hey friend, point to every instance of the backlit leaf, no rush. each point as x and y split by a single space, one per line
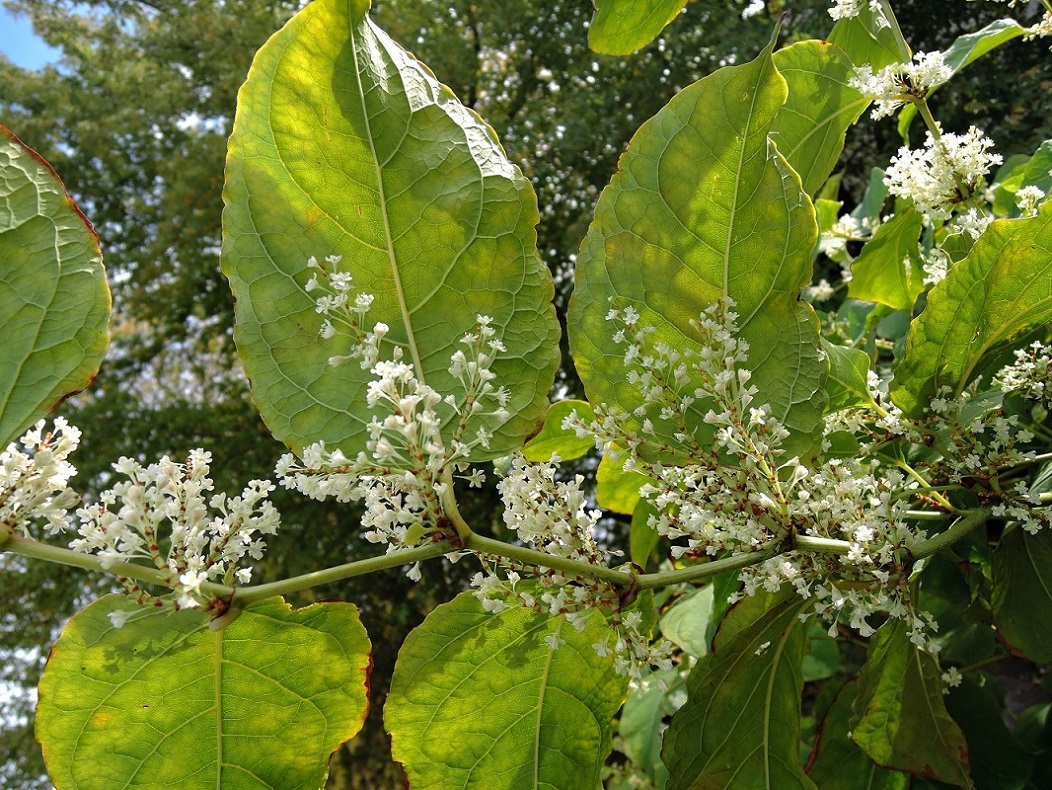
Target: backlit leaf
847 384
344 144
867 38
553 438
620 27
704 207
54 301
888 270
166 701
479 700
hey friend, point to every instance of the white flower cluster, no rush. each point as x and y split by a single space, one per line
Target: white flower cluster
894 85
1030 375
168 504
741 494
34 480
417 439
553 517
1028 199
849 9
946 172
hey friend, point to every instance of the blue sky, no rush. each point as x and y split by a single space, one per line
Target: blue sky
21 45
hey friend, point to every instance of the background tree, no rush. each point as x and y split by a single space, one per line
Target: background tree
135 119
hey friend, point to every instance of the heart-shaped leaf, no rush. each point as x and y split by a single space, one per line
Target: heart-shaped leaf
481 700
165 700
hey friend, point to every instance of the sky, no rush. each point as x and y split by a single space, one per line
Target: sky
21 45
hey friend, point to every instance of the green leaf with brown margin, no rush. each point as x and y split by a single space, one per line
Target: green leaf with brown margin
54 300
166 701
903 724
740 726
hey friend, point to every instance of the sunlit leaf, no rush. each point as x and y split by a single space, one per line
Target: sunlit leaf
616 489
740 726
54 301
704 207
344 144
810 127
847 384
166 701
903 723
868 38
620 27
643 538
553 438
888 270
1001 290
480 700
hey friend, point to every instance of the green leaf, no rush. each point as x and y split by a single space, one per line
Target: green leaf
704 207
837 762
903 723
553 438
166 701
810 127
867 38
54 301
822 659
1022 592
643 538
344 144
964 51
740 727
650 700
1001 290
848 383
616 489
479 700
620 27
688 622
997 758
874 198
888 270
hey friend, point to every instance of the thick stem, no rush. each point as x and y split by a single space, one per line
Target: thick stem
484 545
822 545
959 529
709 569
246 595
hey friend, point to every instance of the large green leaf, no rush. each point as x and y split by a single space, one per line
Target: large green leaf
888 270
810 127
344 144
866 38
837 762
740 727
620 27
1022 592
54 301
903 723
479 700
704 207
1001 290
617 489
164 701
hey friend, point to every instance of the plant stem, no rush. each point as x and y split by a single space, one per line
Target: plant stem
246 595
959 529
825 545
38 550
929 489
499 548
449 507
709 569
